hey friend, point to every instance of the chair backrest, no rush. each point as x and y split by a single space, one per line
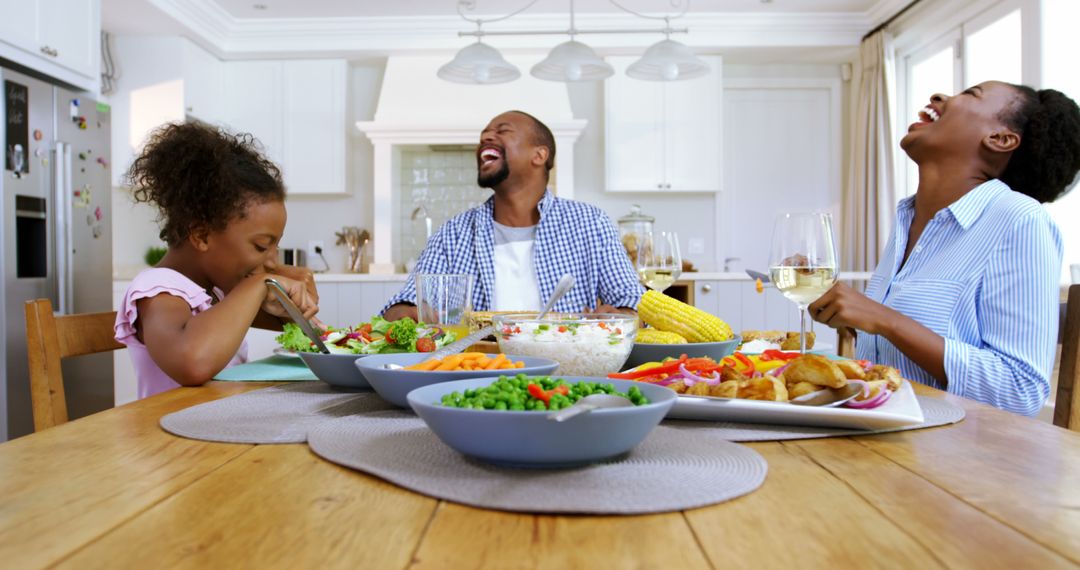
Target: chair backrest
1067 405
48 340
845 340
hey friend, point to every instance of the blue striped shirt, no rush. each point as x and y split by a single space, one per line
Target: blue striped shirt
983 275
572 237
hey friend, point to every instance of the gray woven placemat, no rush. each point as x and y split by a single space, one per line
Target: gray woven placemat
935 413
666 472
279 414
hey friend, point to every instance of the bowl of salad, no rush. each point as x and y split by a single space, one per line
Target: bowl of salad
592 344
347 344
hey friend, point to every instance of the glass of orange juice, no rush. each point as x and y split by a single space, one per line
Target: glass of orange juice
445 300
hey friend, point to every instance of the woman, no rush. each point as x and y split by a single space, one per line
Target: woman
965 297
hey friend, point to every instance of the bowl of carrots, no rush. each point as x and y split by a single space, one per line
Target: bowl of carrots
419 370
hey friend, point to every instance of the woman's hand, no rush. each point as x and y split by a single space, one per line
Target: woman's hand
843 306
298 292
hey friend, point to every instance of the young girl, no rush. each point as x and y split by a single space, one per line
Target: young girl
222 212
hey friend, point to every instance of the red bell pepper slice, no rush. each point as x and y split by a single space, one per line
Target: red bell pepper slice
774 354
545 395
669 368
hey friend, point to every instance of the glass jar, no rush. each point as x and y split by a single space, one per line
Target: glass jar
633 227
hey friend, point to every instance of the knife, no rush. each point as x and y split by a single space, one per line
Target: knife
295 314
463 343
758 275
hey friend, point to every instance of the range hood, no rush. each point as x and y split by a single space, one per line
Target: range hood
417 108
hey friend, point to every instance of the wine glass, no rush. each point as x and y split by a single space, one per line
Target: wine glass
802 262
659 262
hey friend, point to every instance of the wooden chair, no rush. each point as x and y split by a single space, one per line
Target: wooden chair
48 340
1067 406
845 341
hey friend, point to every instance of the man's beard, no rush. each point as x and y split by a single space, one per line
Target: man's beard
495 178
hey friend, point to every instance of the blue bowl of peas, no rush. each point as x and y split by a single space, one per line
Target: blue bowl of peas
503 421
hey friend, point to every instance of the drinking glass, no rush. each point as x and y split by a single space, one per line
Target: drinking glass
445 300
659 262
802 261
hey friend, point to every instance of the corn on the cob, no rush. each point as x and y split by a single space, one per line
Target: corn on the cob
693 324
657 336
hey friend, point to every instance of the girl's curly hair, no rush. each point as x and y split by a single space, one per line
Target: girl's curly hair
201 176
1045 164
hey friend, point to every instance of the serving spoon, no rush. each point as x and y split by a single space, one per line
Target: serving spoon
588 404
829 397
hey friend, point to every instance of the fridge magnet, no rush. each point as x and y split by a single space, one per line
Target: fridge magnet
104 163
17 128
89 219
73 109
82 197
97 231
82 156
97 214
38 134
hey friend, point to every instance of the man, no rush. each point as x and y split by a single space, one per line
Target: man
523 239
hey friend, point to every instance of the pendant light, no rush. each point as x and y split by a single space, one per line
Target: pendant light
479 63
667 60
572 61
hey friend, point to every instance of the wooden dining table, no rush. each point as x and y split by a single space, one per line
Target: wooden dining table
114 490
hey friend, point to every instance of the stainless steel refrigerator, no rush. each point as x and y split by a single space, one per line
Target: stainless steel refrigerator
56 239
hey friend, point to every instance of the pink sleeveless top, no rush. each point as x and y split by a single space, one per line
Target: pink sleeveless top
151 283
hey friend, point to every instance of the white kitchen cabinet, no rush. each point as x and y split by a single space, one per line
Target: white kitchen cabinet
721 298
313 126
59 38
66 27
359 301
296 109
662 136
18 27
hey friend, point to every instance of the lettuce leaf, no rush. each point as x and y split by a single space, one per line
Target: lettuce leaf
292 338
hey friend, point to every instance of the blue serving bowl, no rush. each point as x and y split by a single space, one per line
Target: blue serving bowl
642 353
529 438
395 385
336 369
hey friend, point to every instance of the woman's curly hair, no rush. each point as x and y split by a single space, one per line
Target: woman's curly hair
201 176
1045 164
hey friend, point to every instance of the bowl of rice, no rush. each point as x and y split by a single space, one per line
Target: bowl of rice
592 344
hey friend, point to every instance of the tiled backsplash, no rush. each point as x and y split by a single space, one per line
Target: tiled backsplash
443 182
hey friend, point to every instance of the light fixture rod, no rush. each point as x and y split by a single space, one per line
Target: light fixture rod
565 32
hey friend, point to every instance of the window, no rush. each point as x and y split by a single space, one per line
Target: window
992 51
986 46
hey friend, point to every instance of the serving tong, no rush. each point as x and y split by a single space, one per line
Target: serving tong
295 314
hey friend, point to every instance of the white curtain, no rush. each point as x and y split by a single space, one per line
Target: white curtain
869 200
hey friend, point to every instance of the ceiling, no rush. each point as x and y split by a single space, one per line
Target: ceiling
751 30
385 8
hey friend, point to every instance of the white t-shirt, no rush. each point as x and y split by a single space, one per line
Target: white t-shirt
516 287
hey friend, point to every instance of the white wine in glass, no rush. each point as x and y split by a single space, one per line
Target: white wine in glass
802 264
659 262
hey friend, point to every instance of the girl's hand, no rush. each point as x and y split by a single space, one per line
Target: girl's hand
298 293
843 306
301 274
